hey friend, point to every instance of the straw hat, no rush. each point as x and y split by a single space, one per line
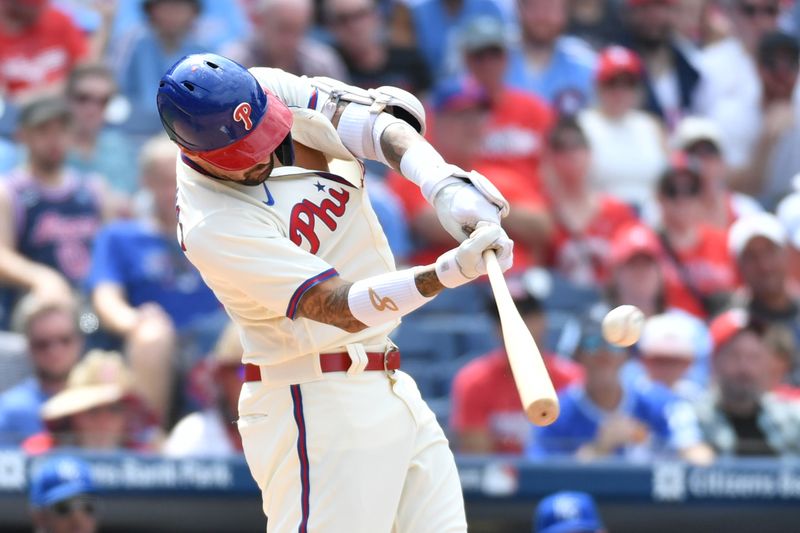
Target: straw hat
228 350
101 378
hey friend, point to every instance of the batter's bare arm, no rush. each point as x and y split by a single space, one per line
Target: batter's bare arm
329 303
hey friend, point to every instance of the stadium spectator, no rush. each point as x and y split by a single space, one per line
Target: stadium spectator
145 290
213 432
567 512
518 121
38 46
731 97
98 410
461 114
671 78
61 496
698 270
221 22
774 160
556 67
280 39
595 21
371 60
54 346
96 148
740 417
50 213
607 417
637 276
431 26
783 348
628 145
147 51
759 246
585 220
487 416
788 212
701 139
668 347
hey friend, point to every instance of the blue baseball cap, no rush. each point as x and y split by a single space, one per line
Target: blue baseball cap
567 512
59 479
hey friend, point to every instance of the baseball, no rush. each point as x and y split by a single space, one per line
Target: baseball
622 326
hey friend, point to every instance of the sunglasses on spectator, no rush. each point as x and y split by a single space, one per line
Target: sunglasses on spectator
88 98
72 505
703 149
490 52
624 81
752 11
46 343
348 17
684 189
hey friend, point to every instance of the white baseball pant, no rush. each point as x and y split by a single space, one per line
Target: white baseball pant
350 454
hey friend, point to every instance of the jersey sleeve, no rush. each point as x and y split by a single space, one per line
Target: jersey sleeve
242 256
294 91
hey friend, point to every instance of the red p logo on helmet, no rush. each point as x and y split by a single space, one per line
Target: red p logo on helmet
242 114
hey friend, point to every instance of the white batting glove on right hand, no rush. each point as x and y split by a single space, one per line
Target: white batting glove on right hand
465 263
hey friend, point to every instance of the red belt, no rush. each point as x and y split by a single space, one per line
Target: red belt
340 362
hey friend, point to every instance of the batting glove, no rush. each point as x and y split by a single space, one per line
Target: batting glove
465 263
468 200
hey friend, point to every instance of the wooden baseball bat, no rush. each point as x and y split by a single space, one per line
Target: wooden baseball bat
535 388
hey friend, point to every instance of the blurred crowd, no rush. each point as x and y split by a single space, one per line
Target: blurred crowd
649 149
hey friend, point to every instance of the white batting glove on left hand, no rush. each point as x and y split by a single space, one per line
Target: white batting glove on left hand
462 204
465 263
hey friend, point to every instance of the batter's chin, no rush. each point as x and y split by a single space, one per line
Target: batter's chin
259 173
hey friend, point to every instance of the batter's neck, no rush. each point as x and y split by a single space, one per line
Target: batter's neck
309 158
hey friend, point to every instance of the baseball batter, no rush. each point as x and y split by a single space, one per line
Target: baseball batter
272 210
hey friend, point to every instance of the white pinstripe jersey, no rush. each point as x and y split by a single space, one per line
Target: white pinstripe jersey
260 248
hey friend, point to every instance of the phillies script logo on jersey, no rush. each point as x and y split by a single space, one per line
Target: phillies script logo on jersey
305 215
242 114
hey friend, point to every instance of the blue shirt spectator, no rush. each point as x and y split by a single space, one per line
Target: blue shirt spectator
19 412
566 82
96 148
556 67
150 267
606 416
665 422
146 53
220 21
54 347
436 30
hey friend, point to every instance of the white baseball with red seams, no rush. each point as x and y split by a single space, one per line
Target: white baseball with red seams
622 326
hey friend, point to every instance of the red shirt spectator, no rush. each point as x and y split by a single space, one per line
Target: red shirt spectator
583 255
706 264
39 45
515 136
486 398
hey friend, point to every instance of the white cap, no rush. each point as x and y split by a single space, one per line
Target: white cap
694 129
754 225
788 212
669 334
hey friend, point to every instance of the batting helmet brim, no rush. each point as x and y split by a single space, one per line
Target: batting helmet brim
255 147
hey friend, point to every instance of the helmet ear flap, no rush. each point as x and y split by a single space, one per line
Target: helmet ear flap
285 151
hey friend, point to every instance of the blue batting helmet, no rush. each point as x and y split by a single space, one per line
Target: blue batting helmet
216 109
567 512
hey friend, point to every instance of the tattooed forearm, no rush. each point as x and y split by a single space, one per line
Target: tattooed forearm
395 140
427 282
327 303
